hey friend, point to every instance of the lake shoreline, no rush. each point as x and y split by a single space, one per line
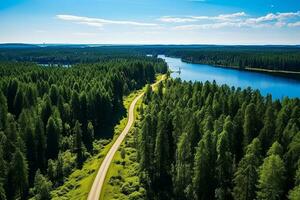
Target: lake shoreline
287 74
279 85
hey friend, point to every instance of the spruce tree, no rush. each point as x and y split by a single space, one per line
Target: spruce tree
40 145
78 144
3 111
42 187
19 174
183 171
249 126
204 168
271 182
246 176
53 133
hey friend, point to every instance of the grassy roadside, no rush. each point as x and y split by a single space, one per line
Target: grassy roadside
79 182
122 179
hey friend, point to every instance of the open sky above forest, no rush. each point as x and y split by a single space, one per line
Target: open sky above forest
150 21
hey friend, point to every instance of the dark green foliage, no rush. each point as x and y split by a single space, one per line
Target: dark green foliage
19 175
271 178
53 134
246 176
78 144
50 115
3 111
250 124
218 143
42 187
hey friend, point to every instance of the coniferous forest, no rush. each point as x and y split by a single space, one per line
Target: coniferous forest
49 117
204 141
194 140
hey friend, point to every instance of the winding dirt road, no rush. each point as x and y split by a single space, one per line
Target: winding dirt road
100 178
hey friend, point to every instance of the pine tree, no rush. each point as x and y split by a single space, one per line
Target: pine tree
11 138
268 131
224 167
249 126
75 104
162 156
54 94
42 187
147 95
271 182
53 133
19 172
88 137
78 144
204 168
183 173
40 145
18 102
3 111
46 109
294 194
246 176
30 152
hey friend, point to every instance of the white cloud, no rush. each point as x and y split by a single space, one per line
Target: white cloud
99 22
222 17
241 19
176 19
294 24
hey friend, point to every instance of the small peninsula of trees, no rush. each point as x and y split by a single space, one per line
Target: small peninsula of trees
204 141
49 117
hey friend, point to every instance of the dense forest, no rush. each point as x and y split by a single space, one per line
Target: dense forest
264 57
204 141
50 116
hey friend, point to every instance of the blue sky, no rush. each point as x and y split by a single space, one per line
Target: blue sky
150 21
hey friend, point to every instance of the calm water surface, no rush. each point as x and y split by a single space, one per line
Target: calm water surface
267 84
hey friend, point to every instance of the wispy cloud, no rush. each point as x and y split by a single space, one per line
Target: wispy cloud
99 22
176 19
294 24
239 19
222 17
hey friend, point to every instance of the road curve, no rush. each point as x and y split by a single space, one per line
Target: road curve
96 188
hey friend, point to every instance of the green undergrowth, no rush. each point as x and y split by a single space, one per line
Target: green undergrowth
78 184
122 180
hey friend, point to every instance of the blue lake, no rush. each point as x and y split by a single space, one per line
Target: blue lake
267 84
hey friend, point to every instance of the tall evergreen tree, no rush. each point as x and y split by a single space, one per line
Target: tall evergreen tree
268 131
78 144
53 134
3 111
271 182
249 126
183 173
40 145
42 187
204 168
224 167
246 176
19 175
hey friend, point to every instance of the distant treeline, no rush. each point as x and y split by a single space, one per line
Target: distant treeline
287 61
204 141
49 117
263 57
